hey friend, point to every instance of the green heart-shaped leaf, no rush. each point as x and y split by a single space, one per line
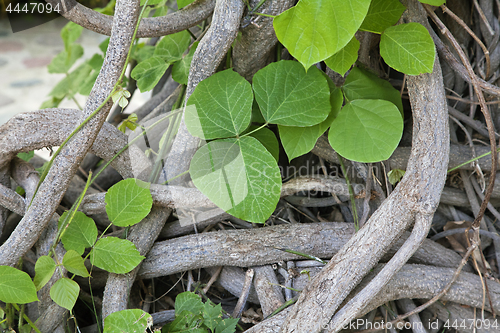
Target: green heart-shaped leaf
366 130
223 106
341 61
115 255
289 96
74 263
128 202
149 72
80 234
314 30
65 59
64 293
238 175
180 69
44 269
408 48
171 47
361 84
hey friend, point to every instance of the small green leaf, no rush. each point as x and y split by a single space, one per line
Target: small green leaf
314 30
128 202
188 301
183 3
16 286
70 33
44 269
381 15
211 315
88 84
96 62
171 47
144 52
186 321
161 10
65 293
287 95
74 263
366 130
180 69
341 61
53 102
433 2
408 48
298 141
115 255
133 320
26 156
80 234
63 62
130 122
149 72
223 104
395 175
120 97
104 44
20 190
361 84
268 140
238 175
227 325
70 85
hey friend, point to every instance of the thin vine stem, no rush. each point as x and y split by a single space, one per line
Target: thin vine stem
255 130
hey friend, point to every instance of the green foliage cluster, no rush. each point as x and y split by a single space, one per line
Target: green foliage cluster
192 315
364 116
237 169
81 79
127 203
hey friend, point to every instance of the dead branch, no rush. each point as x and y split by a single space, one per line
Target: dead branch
265 284
11 200
255 247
